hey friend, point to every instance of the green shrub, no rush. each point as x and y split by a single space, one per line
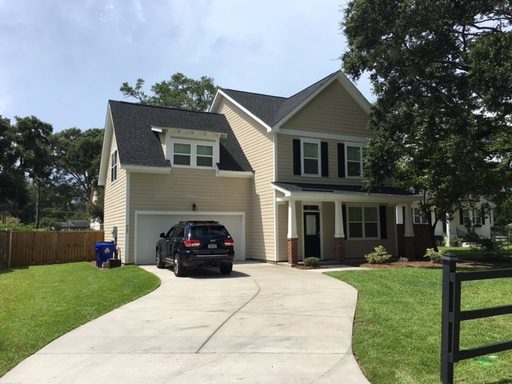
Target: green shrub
378 256
311 262
434 256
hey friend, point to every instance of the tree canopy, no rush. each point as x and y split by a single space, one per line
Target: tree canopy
442 74
179 91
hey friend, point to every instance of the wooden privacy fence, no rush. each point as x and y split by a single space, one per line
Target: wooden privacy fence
20 249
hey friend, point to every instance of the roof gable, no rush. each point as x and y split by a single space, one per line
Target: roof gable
273 111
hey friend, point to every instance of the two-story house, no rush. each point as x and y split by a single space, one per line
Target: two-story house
284 174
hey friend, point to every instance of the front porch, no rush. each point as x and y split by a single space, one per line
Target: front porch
342 223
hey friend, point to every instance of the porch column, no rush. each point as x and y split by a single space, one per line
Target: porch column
293 242
339 231
448 231
409 233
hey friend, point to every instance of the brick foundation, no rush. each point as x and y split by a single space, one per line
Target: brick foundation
339 248
293 251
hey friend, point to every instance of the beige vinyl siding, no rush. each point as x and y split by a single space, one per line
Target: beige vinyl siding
184 187
332 111
285 164
258 147
115 203
356 249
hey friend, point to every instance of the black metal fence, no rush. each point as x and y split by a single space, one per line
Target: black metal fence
452 316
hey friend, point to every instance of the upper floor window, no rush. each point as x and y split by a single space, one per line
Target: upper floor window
192 153
363 222
310 157
113 167
355 156
418 216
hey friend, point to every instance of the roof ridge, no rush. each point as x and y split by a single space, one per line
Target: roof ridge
162 107
315 83
253 93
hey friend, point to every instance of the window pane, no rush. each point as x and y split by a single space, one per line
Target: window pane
371 230
205 150
356 230
311 150
181 160
355 214
370 214
353 168
204 161
354 153
310 167
182 148
311 225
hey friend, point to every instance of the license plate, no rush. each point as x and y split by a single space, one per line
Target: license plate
212 246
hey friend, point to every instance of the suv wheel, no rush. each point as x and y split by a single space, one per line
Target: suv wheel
159 262
226 268
179 270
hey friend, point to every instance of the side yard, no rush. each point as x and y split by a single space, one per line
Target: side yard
398 325
40 303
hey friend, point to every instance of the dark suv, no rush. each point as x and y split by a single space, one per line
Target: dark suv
191 244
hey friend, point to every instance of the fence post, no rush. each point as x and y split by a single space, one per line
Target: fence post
447 324
9 256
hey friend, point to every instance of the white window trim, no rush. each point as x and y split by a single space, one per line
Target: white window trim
318 143
361 166
193 152
114 166
473 215
417 213
362 206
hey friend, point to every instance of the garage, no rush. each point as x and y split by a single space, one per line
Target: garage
149 225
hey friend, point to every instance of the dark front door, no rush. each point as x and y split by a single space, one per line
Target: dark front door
312 234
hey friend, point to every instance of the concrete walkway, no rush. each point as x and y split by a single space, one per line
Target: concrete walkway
262 324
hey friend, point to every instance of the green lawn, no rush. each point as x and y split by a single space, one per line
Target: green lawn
398 324
39 304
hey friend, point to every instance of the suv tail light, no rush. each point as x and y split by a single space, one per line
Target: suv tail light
192 243
229 242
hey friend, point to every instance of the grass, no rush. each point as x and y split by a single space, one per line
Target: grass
39 304
479 253
398 325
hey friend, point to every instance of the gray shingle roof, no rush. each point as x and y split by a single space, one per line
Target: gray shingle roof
334 188
139 145
271 109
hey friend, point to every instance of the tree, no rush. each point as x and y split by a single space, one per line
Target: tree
442 74
178 92
32 138
77 160
13 188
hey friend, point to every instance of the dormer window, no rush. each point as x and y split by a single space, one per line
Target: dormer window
192 153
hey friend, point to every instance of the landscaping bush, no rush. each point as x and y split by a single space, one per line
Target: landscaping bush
434 256
311 262
378 256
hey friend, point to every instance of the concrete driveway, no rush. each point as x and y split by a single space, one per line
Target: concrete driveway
263 324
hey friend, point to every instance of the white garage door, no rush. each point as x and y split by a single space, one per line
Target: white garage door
148 227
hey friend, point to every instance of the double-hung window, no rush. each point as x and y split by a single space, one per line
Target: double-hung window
418 216
363 222
192 154
310 158
113 167
355 156
471 217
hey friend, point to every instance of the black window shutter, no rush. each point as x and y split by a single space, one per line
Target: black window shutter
483 216
383 222
461 216
344 214
341 160
403 215
325 159
296 157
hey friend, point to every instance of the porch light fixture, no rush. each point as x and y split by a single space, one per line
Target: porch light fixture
194 207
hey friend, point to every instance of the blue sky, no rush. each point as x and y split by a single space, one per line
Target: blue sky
62 60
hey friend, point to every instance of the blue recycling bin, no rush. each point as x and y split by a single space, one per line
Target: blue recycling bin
104 251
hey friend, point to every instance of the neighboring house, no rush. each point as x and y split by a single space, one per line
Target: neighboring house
283 174
73 225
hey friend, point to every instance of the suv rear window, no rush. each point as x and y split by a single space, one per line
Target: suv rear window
208 231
